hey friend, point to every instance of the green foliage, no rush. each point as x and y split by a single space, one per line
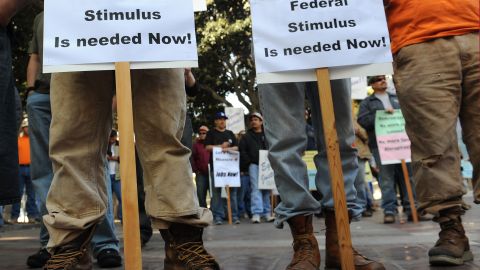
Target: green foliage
226 65
21 26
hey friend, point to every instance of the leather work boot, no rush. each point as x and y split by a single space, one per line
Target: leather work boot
306 254
332 260
184 249
75 255
452 248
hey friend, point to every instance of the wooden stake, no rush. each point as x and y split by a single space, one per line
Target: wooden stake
131 226
406 177
229 205
335 167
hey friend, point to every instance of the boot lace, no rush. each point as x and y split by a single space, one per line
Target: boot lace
194 255
64 260
303 249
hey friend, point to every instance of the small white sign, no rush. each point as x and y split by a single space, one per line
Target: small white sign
266 179
236 119
359 88
102 32
309 34
226 168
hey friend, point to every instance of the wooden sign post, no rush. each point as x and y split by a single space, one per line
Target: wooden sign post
229 205
131 227
408 186
335 168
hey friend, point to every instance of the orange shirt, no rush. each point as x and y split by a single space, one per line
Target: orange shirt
416 21
23 150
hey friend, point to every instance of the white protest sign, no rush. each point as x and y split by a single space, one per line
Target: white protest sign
236 120
266 179
305 35
226 168
359 88
98 33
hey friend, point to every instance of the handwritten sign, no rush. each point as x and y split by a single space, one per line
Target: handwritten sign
150 34
266 179
226 168
308 34
236 120
392 140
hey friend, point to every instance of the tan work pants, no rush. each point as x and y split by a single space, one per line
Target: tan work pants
438 82
81 122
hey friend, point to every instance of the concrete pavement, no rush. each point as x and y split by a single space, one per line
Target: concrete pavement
262 247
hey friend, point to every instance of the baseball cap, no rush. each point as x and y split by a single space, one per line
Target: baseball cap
256 114
219 115
203 128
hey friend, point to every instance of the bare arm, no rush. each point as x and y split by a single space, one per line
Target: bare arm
32 69
8 8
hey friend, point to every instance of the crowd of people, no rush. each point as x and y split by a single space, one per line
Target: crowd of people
73 155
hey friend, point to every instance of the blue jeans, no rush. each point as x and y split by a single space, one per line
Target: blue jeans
39 114
387 179
361 186
117 190
283 107
1 216
219 204
31 206
243 196
9 187
201 181
260 199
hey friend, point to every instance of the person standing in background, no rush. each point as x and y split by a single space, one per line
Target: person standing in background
200 159
25 179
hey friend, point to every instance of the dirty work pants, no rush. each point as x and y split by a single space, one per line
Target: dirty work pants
437 82
81 122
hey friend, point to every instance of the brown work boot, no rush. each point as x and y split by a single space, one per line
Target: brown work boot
306 254
452 248
333 250
184 249
75 255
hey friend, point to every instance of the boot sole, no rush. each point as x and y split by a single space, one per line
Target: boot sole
444 260
172 266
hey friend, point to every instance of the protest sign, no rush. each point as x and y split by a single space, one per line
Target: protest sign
236 120
93 34
308 34
226 168
266 179
308 158
359 88
392 140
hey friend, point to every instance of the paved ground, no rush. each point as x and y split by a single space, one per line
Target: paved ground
262 247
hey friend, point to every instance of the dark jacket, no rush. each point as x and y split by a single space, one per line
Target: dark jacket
249 147
366 115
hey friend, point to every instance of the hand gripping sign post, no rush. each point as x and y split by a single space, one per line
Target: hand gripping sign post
293 39
394 147
88 35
